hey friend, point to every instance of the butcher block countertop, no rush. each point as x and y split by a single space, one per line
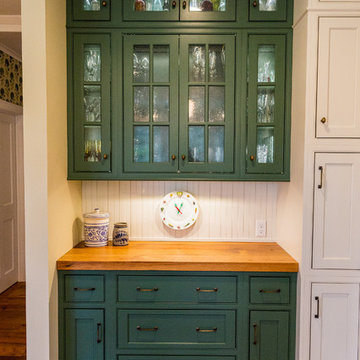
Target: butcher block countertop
181 256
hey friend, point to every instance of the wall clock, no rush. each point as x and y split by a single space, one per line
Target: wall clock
179 210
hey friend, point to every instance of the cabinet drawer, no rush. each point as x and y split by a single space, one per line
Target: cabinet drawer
176 329
165 357
84 288
194 289
269 290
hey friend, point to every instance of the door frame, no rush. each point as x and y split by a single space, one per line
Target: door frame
17 112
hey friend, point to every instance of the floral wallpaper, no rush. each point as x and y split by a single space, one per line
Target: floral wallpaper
10 79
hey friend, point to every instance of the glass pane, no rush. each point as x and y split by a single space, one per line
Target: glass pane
161 143
151 5
266 63
197 63
141 144
161 104
91 5
92 103
161 57
207 5
217 63
216 143
267 5
196 104
196 144
216 103
92 63
141 104
141 63
265 104
92 136
265 145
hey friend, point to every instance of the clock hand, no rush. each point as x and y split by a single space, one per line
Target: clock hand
181 205
179 211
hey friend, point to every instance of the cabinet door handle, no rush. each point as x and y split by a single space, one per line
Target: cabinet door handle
173 157
155 328
99 333
173 4
252 157
143 290
104 3
207 290
255 333
321 177
206 330
105 156
184 5
183 157
80 289
255 4
323 120
269 291
316 316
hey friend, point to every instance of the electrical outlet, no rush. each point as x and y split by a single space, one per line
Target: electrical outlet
260 228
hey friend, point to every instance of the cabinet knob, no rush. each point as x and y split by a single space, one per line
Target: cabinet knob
252 157
173 4
173 157
323 120
105 156
184 5
255 4
183 157
104 3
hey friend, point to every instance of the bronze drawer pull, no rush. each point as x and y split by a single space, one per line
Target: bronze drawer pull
153 289
269 291
207 290
321 177
155 328
173 4
254 4
255 333
206 330
184 5
316 316
89 289
99 333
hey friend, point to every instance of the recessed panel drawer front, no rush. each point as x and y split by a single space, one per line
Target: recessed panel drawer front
84 288
176 329
165 357
192 289
269 290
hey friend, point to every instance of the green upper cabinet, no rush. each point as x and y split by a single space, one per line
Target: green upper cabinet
183 10
266 104
268 10
167 130
90 147
91 9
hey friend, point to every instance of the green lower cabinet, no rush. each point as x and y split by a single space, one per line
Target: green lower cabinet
269 335
84 334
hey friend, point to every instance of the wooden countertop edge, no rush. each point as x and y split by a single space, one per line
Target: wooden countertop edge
167 266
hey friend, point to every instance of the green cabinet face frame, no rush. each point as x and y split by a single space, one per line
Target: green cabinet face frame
90 120
91 9
266 104
268 10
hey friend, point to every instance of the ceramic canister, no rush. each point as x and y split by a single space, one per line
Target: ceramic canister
120 234
96 228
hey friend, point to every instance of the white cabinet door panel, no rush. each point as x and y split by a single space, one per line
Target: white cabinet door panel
336 234
334 322
338 90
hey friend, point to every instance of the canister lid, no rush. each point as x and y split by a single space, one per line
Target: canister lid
96 214
120 225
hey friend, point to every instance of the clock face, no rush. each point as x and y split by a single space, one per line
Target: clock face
179 210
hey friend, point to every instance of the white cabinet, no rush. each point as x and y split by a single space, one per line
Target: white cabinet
334 322
336 232
338 89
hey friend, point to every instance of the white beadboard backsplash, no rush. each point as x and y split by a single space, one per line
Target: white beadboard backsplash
228 210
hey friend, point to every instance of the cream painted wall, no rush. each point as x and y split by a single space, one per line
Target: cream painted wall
52 204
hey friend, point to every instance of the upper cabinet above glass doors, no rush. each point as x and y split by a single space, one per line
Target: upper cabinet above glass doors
174 10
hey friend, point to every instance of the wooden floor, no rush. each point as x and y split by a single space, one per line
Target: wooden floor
13 323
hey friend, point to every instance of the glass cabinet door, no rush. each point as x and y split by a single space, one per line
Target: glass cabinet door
151 103
91 9
266 99
267 10
91 117
151 10
208 10
207 103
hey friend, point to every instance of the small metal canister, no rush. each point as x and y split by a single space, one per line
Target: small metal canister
120 234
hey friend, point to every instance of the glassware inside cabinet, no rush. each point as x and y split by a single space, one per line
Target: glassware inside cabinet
161 108
141 63
92 63
141 103
160 143
196 104
217 63
266 63
92 103
197 63
216 144
267 5
265 145
216 103
196 151
266 104
207 5
92 136
91 5
151 5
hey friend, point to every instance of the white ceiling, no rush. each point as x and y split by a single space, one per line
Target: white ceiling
10 7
